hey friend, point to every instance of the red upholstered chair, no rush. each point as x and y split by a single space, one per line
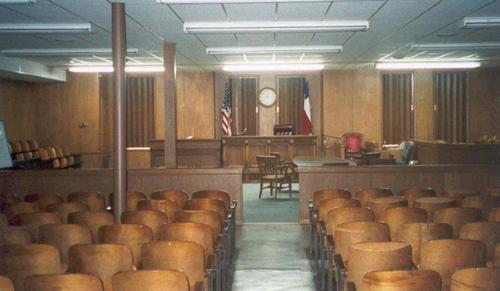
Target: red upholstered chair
352 141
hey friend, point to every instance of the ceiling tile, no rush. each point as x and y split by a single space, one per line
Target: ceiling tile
293 39
200 12
302 11
353 10
255 39
330 38
250 12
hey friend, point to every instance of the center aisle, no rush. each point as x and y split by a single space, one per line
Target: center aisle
272 256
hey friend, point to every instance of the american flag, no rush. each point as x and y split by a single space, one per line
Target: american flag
226 109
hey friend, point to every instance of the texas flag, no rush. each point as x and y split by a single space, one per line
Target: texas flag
306 114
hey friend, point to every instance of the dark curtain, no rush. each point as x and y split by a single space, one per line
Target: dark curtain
140 110
291 101
450 106
398 117
244 103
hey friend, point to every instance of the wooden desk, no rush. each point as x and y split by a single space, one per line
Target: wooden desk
431 152
243 150
191 153
308 161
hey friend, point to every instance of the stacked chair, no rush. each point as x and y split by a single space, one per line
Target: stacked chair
175 242
416 240
28 155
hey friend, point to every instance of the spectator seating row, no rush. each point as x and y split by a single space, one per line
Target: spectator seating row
416 239
169 242
28 155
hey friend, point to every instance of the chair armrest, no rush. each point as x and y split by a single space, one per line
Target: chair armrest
233 205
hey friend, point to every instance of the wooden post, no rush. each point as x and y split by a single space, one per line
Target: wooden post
170 105
120 110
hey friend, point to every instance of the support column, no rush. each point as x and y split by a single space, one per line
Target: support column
120 110
170 105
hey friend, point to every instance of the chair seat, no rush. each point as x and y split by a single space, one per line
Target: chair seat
273 177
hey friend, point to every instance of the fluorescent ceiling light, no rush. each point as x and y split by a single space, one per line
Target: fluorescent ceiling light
17 1
63 52
427 65
456 46
481 22
273 67
231 1
271 49
45 28
275 26
109 69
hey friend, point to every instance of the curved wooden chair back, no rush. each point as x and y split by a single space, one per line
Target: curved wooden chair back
411 194
394 217
494 215
132 199
21 261
32 221
91 220
131 235
184 256
94 200
365 257
207 217
14 235
213 194
457 217
484 203
64 236
446 256
416 234
433 204
347 234
6 284
460 194
73 282
65 209
152 218
379 205
326 205
207 204
486 232
178 196
366 194
329 193
43 199
168 207
44 154
153 280
401 280
101 260
3 220
347 214
189 231
20 208
472 279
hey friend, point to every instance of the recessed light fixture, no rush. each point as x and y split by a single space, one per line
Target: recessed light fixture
276 26
231 1
63 52
427 65
17 1
456 46
109 69
272 49
273 67
11 28
481 22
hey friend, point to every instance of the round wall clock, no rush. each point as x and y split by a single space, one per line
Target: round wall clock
267 97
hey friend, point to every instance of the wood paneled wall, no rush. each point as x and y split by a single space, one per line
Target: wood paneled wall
195 104
17 109
352 101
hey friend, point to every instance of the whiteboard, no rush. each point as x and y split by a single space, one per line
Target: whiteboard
5 160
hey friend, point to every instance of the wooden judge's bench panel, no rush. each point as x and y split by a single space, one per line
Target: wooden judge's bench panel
243 150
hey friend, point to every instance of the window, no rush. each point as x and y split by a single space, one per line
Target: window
450 106
244 103
291 101
398 114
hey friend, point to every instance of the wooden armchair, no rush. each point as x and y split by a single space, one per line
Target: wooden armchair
273 172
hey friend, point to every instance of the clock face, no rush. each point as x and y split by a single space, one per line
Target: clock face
267 97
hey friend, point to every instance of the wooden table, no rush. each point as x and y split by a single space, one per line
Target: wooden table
311 161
